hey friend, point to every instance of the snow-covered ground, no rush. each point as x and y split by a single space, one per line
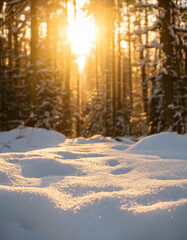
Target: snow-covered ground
52 188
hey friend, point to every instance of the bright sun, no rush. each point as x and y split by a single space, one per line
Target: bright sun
81 33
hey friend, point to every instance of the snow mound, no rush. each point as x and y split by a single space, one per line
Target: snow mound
165 145
26 139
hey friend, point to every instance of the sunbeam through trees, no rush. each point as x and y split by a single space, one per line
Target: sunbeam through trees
109 67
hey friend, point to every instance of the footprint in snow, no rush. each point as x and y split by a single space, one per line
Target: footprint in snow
39 168
113 163
121 171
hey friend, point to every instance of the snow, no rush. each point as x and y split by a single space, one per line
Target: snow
21 140
141 4
165 145
53 188
182 29
154 44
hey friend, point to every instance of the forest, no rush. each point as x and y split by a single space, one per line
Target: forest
87 67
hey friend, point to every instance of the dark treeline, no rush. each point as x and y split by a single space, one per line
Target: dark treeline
134 82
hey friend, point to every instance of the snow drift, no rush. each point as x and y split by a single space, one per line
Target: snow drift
167 145
24 139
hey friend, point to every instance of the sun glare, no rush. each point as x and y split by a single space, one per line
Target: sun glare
81 33
43 29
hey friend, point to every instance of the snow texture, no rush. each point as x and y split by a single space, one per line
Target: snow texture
21 140
53 188
165 145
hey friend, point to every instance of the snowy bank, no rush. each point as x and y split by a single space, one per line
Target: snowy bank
165 145
26 139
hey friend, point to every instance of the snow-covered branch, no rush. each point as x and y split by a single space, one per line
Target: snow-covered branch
148 5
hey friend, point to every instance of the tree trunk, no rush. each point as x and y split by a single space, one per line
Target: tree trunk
168 77
34 41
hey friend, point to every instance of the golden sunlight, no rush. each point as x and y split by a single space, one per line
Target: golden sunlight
43 29
81 33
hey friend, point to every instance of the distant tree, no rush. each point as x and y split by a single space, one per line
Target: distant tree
14 59
33 57
167 111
